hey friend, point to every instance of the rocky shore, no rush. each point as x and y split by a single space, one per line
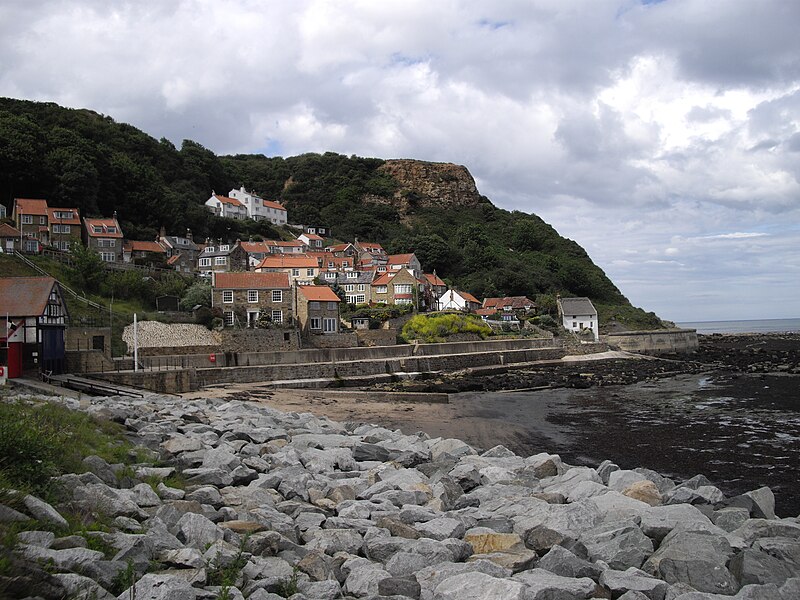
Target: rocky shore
293 505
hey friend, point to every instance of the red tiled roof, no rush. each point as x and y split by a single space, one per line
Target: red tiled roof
173 259
138 246
250 280
319 293
382 279
30 206
434 280
7 230
515 302
312 236
288 261
25 296
73 219
469 297
271 204
337 248
105 224
399 259
485 312
226 200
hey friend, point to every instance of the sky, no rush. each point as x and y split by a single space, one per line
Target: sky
663 137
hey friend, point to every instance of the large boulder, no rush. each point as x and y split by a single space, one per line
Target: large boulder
479 586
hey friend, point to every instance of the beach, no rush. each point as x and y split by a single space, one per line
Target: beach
731 411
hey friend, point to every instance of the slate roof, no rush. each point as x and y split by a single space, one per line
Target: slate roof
577 306
25 296
250 280
319 293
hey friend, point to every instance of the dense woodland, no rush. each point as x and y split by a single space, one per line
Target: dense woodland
78 158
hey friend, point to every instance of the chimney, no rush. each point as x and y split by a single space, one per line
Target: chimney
189 235
162 232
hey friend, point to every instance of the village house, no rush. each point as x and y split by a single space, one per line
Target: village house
516 305
437 288
104 236
222 258
320 231
395 262
181 252
256 252
312 240
247 298
285 247
139 252
229 208
458 300
9 238
342 250
31 218
302 269
356 285
579 315
65 227
259 209
317 310
32 335
370 254
397 287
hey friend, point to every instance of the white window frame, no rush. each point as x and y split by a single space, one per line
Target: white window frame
224 248
329 325
330 275
227 296
309 272
252 295
315 323
381 289
352 274
295 272
361 287
277 316
108 257
332 305
313 305
402 288
205 262
27 219
350 287
220 260
228 318
277 295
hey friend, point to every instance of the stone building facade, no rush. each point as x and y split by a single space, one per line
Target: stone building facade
251 299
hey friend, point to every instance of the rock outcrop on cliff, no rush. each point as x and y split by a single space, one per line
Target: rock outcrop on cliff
290 505
432 184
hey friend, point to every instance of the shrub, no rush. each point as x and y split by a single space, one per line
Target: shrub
437 328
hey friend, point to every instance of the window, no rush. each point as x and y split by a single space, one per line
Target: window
329 325
352 275
62 245
380 289
61 228
252 295
108 257
277 295
574 324
209 249
27 219
381 269
312 230
97 229
349 288
313 305
106 243
356 299
309 272
402 301
224 248
330 275
361 287
31 246
220 260
316 323
402 288
42 220
331 265
277 316
345 263
205 262
227 296
332 305
229 317
112 229
295 272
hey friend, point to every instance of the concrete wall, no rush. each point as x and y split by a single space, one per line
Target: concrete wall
163 382
87 361
667 341
175 350
78 337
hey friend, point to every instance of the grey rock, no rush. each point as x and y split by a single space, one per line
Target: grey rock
562 562
331 541
764 499
432 575
622 479
605 469
399 586
70 541
620 582
181 443
102 469
197 531
785 549
791 589
441 528
182 558
730 518
321 590
755 567
143 495
406 563
169 493
479 586
658 521
70 559
99 499
160 587
696 558
208 476
364 578
10 515
43 539
758 528
544 585
221 458
42 511
619 545
452 447
80 587
205 494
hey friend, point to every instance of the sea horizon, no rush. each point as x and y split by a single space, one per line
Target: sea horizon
743 326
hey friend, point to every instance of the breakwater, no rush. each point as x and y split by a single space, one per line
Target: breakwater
297 503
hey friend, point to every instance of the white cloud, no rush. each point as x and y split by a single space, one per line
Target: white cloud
662 137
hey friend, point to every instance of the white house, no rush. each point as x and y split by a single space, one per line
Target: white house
259 209
222 206
456 300
312 240
579 315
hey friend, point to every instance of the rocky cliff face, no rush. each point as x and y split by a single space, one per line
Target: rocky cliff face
430 184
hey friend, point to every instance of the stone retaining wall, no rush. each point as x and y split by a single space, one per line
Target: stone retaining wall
377 337
334 340
666 341
258 340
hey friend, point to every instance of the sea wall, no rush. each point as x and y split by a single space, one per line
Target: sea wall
667 341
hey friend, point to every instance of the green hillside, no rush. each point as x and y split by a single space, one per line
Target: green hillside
82 159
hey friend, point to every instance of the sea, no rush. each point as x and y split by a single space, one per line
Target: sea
747 326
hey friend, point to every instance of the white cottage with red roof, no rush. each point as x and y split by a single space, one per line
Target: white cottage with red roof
223 206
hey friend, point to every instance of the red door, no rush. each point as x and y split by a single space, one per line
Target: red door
14 360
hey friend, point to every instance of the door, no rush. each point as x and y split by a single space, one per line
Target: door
52 350
14 360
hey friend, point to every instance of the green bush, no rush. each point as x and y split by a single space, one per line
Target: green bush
437 328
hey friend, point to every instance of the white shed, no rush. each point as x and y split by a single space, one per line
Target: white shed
578 315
